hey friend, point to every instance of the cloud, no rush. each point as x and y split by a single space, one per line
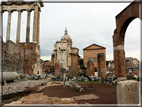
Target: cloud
87 23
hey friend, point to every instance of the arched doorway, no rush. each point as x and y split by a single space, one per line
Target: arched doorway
123 19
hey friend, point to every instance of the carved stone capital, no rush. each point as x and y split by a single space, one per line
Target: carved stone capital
10 11
28 10
19 10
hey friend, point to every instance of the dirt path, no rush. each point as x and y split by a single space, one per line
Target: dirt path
106 93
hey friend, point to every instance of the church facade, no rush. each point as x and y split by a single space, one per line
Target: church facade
65 53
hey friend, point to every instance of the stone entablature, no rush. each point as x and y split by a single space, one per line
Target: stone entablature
21 6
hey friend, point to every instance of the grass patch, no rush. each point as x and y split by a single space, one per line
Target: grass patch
93 82
87 81
133 79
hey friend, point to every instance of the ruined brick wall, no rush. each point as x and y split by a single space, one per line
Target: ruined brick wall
13 57
31 58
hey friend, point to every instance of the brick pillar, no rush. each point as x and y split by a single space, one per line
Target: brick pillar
90 68
122 63
116 63
119 61
57 68
101 65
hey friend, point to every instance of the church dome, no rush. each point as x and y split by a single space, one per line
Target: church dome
66 36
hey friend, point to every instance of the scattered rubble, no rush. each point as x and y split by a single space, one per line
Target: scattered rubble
23 77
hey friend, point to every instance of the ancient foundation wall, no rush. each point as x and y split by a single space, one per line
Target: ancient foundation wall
13 57
21 58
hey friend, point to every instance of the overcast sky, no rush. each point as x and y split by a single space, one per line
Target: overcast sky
87 23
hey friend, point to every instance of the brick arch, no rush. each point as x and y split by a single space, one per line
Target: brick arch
123 19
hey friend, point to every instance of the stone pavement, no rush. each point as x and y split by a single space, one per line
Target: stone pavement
39 98
86 97
20 86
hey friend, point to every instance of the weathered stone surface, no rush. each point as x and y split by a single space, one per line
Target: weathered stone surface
22 85
128 92
21 58
90 68
86 97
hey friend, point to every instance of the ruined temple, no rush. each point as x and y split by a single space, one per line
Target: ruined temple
22 57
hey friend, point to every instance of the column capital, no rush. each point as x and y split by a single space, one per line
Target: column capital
28 10
19 10
35 4
10 10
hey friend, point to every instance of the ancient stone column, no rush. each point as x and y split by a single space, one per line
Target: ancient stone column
35 25
101 64
128 92
57 68
38 27
8 26
18 27
90 68
28 27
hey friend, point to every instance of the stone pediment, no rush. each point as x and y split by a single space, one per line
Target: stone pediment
94 46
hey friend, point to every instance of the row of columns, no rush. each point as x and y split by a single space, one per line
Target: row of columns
35 25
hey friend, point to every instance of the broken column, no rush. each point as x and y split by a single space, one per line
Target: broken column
57 68
90 68
128 92
101 64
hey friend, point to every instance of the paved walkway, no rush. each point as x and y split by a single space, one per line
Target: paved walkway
20 86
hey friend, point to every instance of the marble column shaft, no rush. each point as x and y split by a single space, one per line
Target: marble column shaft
35 25
8 26
18 27
38 27
28 27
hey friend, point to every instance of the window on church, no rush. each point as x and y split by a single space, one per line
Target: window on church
94 59
89 59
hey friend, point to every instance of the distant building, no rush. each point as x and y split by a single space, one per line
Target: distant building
90 53
47 67
65 53
131 62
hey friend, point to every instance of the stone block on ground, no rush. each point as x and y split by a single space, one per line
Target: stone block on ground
128 92
86 97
